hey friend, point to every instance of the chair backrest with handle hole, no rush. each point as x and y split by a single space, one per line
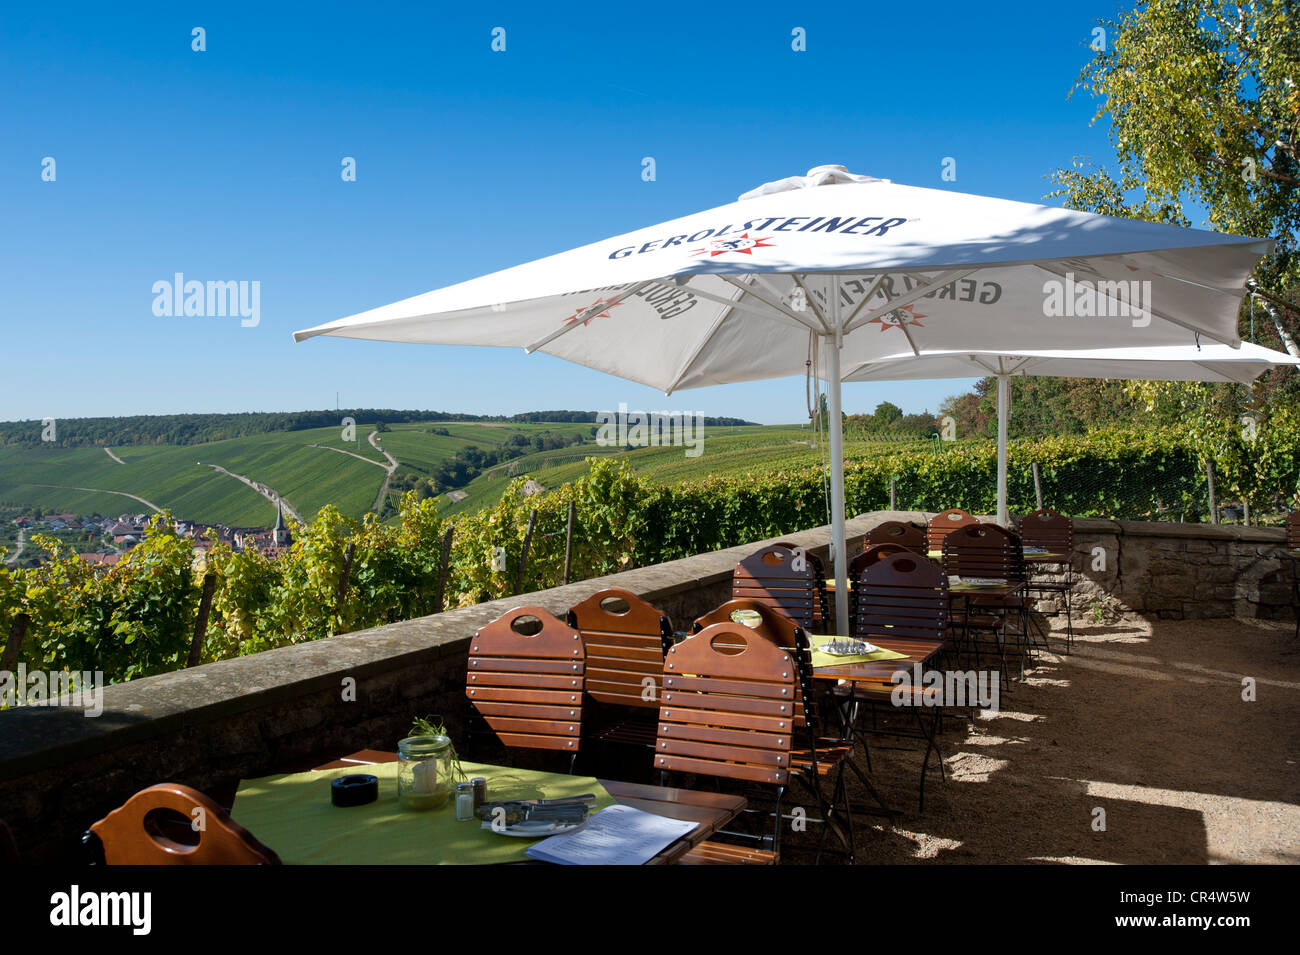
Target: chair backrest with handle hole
727 713
781 631
984 551
782 578
944 523
897 532
525 676
1049 530
903 597
625 640
137 833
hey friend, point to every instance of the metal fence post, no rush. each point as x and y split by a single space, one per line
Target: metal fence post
893 494
1038 485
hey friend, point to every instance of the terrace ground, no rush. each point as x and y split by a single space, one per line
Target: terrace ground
1145 720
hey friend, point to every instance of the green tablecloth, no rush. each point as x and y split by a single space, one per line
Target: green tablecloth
294 816
820 659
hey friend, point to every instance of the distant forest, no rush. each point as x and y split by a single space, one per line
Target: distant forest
203 428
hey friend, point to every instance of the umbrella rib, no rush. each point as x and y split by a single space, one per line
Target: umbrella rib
587 314
812 303
907 298
699 349
732 303
871 290
750 290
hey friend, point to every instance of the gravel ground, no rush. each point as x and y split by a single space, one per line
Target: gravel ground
1144 720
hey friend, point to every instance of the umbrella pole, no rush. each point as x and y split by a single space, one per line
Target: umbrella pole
836 431
1004 409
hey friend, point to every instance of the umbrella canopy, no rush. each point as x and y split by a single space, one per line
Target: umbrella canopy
1216 363
859 267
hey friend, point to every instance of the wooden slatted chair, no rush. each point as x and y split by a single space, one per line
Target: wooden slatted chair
730 714
824 608
991 552
527 686
1053 533
870 556
142 832
904 598
818 754
897 532
943 524
625 640
771 576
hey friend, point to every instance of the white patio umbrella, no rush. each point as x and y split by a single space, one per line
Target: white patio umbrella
860 268
1210 363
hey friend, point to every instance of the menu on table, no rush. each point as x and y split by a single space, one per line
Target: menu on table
617 835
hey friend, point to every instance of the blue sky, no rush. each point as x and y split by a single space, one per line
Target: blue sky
225 164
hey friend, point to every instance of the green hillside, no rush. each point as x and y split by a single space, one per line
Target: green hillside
310 469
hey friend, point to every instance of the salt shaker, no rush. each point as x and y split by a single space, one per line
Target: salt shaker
464 802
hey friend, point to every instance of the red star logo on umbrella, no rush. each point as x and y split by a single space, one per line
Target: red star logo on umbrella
573 319
743 244
896 318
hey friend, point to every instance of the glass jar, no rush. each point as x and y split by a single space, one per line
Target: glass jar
425 778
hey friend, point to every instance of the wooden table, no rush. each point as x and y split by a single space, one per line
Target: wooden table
710 811
879 671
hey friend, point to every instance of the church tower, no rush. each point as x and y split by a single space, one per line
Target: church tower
280 536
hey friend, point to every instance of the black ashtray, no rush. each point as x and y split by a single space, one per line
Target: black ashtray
355 790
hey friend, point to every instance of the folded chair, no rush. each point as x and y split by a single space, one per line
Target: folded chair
817 755
524 681
728 711
145 831
1054 533
625 640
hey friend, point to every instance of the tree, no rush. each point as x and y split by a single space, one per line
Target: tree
886 416
1203 98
